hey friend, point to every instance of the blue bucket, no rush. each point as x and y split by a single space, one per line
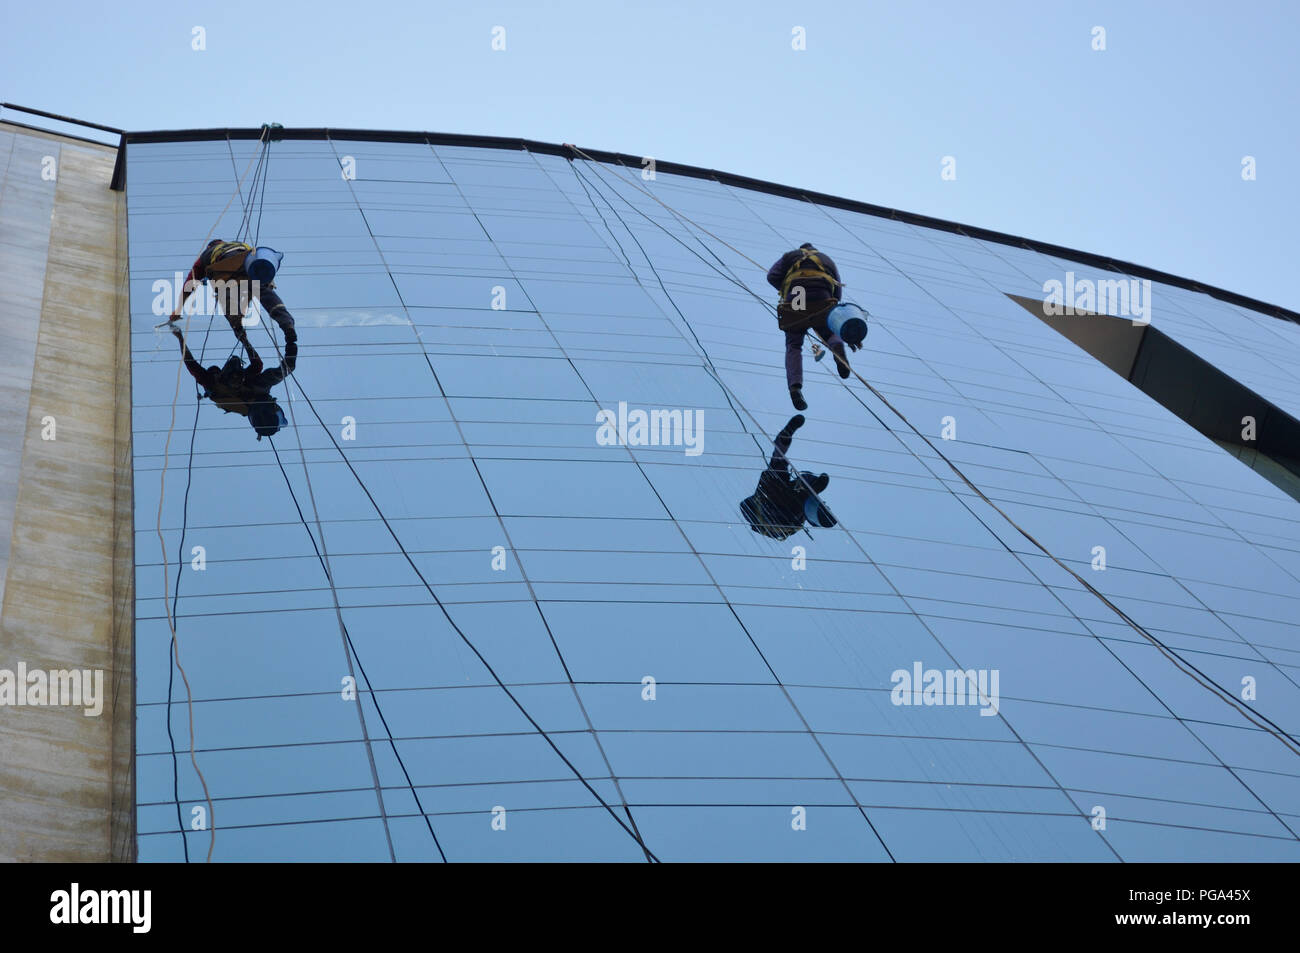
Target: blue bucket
847 320
262 264
817 513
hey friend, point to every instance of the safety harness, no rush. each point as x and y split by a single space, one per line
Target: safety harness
231 391
808 265
232 399
219 251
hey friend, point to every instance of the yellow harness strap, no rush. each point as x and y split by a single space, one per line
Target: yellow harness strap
798 271
229 402
227 250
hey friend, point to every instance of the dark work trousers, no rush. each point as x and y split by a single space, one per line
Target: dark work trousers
816 320
231 285
774 484
236 304
780 447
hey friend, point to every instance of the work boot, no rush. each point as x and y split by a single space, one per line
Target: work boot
819 483
796 397
787 432
842 365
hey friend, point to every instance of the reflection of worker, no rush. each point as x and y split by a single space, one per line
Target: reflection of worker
784 500
223 263
247 391
810 287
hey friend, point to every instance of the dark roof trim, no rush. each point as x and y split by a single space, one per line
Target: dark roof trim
60 135
726 178
68 119
118 182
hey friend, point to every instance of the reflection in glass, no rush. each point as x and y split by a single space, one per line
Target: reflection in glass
465 313
785 499
233 387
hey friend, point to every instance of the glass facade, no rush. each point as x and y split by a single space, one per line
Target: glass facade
568 646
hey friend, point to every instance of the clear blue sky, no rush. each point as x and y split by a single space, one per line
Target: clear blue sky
1134 151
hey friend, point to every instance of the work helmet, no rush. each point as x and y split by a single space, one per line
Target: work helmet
266 417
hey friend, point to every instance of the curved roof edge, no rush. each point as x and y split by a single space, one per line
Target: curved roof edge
726 178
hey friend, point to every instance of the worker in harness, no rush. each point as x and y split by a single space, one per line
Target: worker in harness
784 500
222 263
810 287
235 388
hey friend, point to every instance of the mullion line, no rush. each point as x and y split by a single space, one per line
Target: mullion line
858 543
1053 703
501 522
928 613
1207 683
758 805
992 785
856 473
478 736
350 651
632 831
1181 494
1106 642
736 615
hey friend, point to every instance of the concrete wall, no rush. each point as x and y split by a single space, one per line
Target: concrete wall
66 563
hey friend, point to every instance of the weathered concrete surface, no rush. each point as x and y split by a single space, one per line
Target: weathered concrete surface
66 779
26 201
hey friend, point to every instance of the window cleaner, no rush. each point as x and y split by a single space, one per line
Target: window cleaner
810 289
237 270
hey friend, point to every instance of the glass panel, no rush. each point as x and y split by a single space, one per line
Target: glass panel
487 466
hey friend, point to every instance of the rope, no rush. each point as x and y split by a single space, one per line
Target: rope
452 622
793 473
569 145
180 561
349 649
460 430
350 652
1258 719
852 538
858 545
261 199
162 543
260 171
246 221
